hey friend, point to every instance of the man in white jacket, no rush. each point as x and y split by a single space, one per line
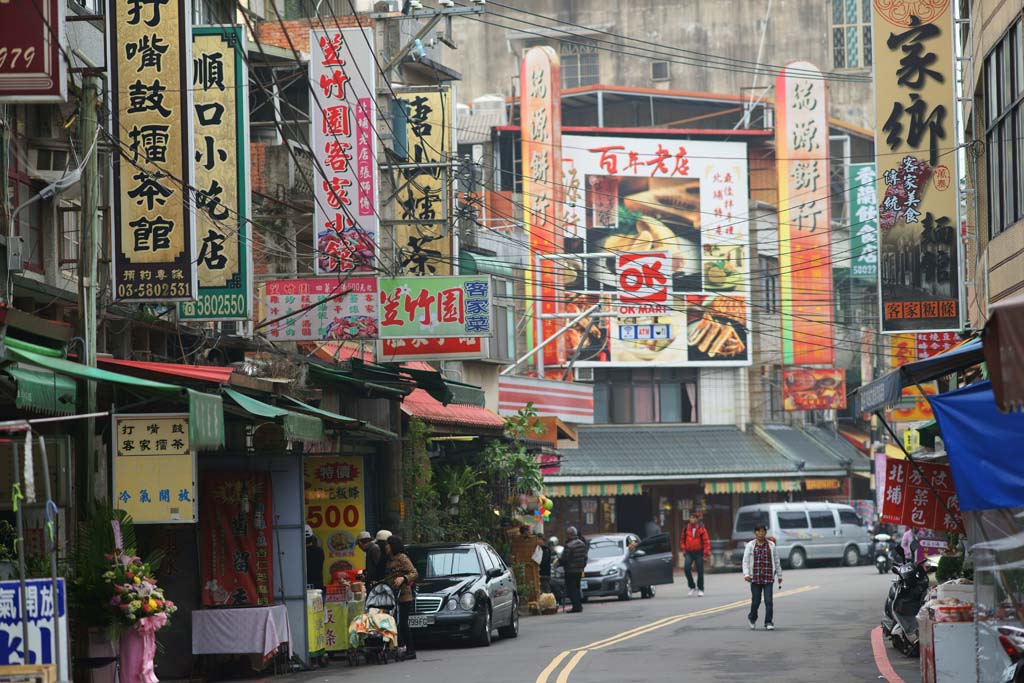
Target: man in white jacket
761 566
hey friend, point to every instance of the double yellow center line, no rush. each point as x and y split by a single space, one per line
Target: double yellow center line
579 652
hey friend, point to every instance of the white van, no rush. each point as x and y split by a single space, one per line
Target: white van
804 531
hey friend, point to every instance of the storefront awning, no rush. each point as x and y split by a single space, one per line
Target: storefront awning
475 264
752 486
297 426
888 389
596 489
43 391
203 373
422 405
1003 343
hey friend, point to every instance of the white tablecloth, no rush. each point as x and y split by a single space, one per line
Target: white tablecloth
243 630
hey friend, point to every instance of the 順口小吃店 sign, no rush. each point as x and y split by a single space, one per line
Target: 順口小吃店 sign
154 468
443 306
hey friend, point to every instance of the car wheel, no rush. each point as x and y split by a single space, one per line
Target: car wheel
851 558
797 559
483 636
512 630
627 588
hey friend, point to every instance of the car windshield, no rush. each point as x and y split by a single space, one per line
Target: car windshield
601 548
436 562
746 521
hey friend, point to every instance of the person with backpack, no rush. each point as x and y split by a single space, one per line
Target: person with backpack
696 547
761 565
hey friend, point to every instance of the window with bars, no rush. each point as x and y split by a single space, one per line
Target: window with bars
1004 129
851 34
580 65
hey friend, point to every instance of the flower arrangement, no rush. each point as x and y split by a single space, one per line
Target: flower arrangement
134 593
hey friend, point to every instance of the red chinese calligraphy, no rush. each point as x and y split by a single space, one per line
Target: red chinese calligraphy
682 166
336 120
337 156
609 160
658 162
337 194
331 47
333 85
450 306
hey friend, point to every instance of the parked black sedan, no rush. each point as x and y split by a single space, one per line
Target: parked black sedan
464 591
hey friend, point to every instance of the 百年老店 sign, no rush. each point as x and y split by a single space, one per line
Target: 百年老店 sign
150 84
32 68
221 118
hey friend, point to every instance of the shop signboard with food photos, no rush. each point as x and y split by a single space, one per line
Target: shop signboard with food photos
813 389
658 235
334 500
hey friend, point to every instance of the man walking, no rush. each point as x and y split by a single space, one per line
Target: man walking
574 561
696 547
760 567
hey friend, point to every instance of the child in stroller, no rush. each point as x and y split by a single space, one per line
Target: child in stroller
373 635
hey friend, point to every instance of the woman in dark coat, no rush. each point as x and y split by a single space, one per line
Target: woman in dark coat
401 574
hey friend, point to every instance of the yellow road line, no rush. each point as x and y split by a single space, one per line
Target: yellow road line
543 678
563 677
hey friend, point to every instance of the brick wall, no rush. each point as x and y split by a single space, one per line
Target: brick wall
278 33
258 168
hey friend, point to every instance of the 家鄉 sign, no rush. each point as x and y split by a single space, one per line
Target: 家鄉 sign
805 226
154 468
442 306
150 76
862 198
221 119
334 500
38 609
32 66
319 309
917 178
342 75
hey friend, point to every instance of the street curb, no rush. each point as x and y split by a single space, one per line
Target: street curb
882 657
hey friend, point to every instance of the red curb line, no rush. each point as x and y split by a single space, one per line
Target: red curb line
882 658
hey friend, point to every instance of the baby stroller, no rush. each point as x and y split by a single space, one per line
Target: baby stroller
373 635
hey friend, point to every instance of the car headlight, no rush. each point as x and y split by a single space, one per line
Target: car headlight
467 601
452 604
611 571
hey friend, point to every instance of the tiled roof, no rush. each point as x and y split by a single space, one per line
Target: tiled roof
818 448
422 405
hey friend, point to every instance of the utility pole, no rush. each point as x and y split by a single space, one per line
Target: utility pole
5 201
89 240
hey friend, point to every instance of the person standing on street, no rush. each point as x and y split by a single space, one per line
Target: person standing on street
314 561
544 568
910 544
401 574
651 528
574 561
696 547
760 567
374 555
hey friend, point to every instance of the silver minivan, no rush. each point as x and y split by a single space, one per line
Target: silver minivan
804 531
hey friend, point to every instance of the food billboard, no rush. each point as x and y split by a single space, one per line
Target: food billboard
813 389
658 235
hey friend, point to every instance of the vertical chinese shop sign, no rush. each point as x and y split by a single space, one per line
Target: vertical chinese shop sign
805 266
541 114
334 509
154 468
237 539
33 68
917 187
862 198
221 115
150 75
424 192
344 116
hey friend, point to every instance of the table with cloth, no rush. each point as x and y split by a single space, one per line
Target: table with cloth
241 631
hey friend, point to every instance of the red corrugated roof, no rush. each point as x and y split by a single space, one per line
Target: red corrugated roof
203 373
424 406
338 351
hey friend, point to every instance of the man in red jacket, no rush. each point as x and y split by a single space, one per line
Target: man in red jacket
696 546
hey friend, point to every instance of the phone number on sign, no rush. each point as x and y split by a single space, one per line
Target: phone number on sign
153 290
214 305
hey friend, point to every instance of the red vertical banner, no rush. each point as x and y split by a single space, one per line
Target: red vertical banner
234 522
920 495
541 115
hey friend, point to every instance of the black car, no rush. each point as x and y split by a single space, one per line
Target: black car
464 590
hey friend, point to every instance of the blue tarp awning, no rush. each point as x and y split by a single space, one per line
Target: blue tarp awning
983 446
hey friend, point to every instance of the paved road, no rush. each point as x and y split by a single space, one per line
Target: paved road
823 620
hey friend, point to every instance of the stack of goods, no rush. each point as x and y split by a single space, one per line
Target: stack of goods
951 602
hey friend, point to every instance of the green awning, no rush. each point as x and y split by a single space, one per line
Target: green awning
206 411
43 391
326 414
475 264
297 427
374 390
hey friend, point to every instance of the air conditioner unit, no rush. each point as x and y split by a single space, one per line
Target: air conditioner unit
583 374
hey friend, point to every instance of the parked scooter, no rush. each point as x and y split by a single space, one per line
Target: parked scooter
884 545
906 596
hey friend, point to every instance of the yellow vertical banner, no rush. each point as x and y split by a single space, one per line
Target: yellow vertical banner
154 468
335 501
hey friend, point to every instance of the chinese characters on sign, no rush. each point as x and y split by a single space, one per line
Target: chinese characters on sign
342 73
425 348
456 306
150 75
917 189
38 609
424 191
220 116
334 509
920 495
154 468
805 226
862 199
237 538
319 309
933 343
813 389
32 68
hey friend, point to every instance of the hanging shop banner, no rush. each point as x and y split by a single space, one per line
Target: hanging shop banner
862 199
657 234
33 39
902 349
456 306
38 609
423 201
543 192
933 343
237 540
920 495
154 468
813 389
151 112
318 309
805 223
426 348
334 509
913 405
221 118
915 147
342 72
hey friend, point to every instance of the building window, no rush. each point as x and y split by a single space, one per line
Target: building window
207 12
660 71
851 34
641 396
1004 129
579 64
28 223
